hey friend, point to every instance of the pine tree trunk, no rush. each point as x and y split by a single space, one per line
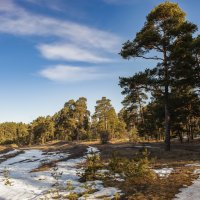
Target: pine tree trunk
166 96
180 136
167 122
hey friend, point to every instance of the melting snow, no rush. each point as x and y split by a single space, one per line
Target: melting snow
92 150
9 153
27 185
191 192
164 172
193 165
104 192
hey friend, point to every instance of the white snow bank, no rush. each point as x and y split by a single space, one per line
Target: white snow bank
26 185
193 165
164 172
9 152
92 150
36 185
191 192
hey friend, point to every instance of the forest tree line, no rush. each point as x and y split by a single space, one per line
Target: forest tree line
140 120
72 122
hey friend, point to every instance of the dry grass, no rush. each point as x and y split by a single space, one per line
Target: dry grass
159 188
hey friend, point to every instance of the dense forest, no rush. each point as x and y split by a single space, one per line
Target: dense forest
136 121
72 122
159 103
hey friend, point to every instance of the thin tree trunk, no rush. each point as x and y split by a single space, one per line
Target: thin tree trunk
180 136
166 95
167 127
192 128
140 107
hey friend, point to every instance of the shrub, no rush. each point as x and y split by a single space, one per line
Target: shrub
104 137
137 169
116 163
91 166
72 196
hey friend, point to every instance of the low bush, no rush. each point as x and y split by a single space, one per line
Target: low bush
91 166
136 169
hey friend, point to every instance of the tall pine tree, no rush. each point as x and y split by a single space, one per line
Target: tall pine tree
165 25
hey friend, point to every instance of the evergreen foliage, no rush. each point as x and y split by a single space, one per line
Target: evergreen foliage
71 123
168 39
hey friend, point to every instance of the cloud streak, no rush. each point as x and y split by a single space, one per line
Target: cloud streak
69 52
66 73
18 21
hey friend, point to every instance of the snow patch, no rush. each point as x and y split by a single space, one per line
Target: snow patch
193 165
164 172
104 192
9 152
92 150
28 185
191 192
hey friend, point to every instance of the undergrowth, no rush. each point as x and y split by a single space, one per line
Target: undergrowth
135 169
91 166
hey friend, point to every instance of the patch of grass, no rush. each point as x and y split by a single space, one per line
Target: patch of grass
72 196
156 188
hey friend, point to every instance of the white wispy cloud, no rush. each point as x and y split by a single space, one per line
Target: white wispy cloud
66 73
7 6
18 21
69 52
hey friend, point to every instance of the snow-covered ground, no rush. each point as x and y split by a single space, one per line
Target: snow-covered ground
164 172
12 152
9 153
191 192
27 185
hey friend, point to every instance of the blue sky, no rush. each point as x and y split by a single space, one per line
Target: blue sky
56 50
